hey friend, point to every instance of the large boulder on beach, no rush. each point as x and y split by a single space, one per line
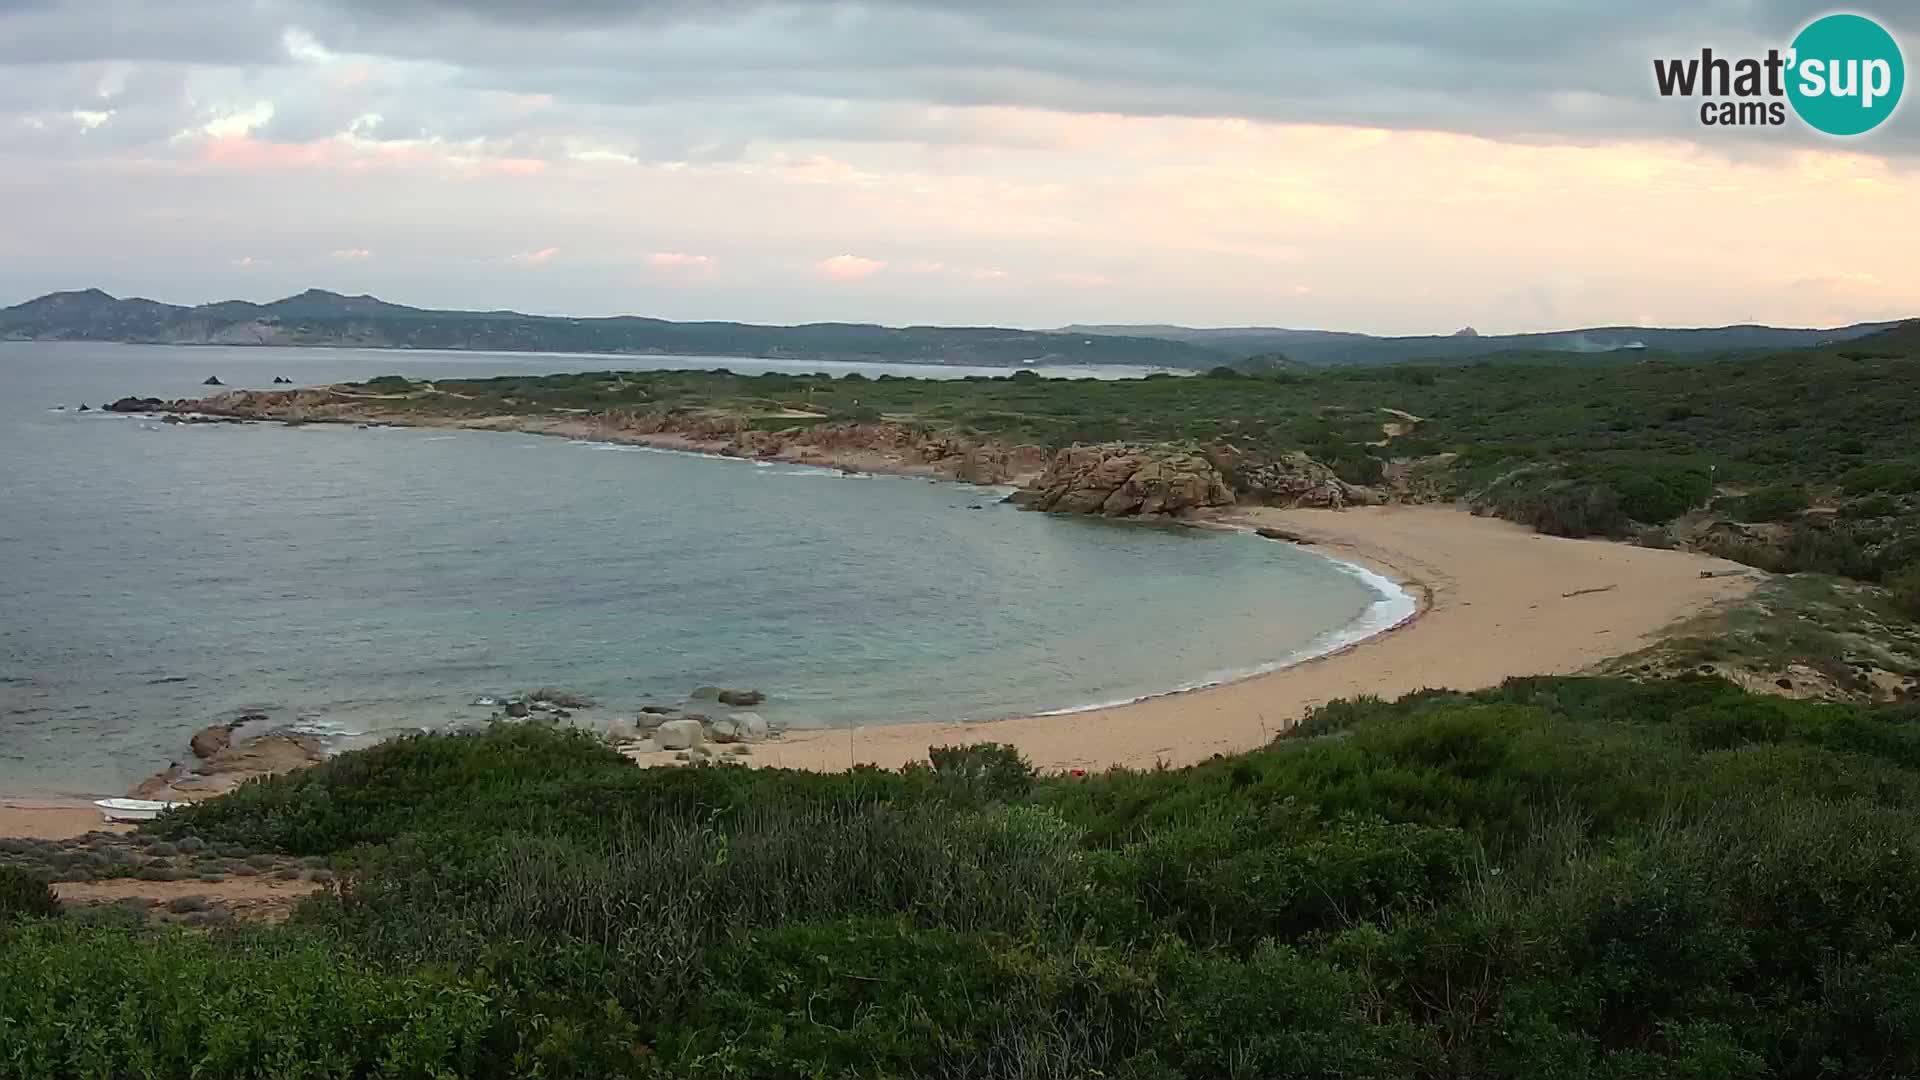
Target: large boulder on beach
742 727
680 735
1117 480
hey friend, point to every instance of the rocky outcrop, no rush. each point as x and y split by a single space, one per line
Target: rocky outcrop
565 699
210 740
740 698
136 405
1293 479
225 769
1115 480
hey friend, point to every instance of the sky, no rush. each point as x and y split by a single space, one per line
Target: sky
1389 166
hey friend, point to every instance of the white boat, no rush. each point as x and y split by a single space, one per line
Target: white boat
132 809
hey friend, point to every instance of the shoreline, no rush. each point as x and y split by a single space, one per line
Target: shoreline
1495 601
1239 711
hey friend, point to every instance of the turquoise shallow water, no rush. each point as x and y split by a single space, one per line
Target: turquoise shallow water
154 578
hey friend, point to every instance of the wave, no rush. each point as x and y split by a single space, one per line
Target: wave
1394 608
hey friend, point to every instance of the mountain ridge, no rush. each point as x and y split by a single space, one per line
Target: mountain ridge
321 317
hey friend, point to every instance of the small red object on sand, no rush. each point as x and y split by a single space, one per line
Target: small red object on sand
1076 772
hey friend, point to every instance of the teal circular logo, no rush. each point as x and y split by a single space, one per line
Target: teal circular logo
1846 75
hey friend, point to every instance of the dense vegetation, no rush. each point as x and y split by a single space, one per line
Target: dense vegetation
1812 457
1561 877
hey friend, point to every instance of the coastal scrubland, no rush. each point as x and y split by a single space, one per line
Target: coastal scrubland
1576 877
1797 460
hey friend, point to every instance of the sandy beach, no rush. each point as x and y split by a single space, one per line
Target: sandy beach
1496 604
1496 600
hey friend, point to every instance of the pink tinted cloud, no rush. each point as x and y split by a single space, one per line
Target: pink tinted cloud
1085 281
536 258
988 275
680 260
506 167
244 153
248 262
849 267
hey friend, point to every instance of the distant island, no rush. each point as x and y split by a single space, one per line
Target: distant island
321 318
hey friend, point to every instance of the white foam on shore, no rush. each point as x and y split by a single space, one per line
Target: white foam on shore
1394 608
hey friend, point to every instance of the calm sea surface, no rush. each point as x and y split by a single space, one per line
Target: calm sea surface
155 578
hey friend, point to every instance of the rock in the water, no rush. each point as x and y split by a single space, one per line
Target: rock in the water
518 710
658 710
565 699
136 405
680 735
212 739
705 693
213 380
741 698
1270 533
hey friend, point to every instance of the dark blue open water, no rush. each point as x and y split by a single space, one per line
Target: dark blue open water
154 578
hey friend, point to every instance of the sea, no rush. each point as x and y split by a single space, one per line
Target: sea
358 582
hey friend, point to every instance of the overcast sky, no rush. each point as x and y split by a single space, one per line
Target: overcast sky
1399 166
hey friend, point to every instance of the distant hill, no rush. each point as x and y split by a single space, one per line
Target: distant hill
1328 347
318 317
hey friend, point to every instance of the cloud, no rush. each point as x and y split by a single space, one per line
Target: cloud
849 267
1377 164
248 262
353 254
680 260
729 74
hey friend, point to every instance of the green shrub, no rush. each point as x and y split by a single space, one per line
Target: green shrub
1568 876
1891 477
25 895
1767 504
1905 591
987 770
